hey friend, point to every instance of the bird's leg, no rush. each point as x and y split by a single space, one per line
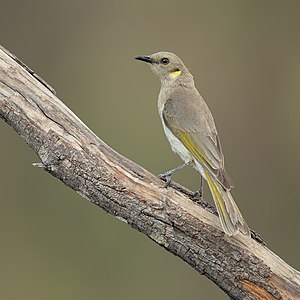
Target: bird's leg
199 192
167 175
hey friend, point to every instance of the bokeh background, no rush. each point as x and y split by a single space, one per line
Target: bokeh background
245 58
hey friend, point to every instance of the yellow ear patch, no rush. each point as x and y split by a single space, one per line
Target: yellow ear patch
176 73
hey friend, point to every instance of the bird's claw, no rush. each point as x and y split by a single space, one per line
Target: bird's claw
198 193
166 178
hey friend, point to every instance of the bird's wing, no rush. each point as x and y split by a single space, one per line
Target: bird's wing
192 123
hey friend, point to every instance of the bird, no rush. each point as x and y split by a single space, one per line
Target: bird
191 131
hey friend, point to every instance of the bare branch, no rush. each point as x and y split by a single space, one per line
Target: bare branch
241 266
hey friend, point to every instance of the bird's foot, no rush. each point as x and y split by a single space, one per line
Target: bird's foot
165 177
199 193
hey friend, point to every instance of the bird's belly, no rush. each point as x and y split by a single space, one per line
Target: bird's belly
182 151
177 146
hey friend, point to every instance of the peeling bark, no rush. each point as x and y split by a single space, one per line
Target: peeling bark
242 266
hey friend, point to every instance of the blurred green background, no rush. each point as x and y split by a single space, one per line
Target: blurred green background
245 58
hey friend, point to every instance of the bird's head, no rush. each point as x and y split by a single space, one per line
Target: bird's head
166 65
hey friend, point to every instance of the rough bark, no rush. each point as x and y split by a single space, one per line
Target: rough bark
242 266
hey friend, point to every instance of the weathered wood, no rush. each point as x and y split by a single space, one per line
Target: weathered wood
241 266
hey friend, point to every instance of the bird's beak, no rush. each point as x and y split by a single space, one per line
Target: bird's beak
145 58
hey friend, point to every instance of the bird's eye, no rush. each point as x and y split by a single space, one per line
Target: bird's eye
164 61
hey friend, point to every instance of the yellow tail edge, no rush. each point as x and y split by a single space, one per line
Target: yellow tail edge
230 216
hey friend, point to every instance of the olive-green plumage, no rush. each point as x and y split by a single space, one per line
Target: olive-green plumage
191 131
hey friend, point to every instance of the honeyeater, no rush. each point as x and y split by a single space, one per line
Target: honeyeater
192 134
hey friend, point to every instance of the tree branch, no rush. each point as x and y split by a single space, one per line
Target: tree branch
243 267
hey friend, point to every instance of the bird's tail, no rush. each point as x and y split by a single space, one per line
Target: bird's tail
230 216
